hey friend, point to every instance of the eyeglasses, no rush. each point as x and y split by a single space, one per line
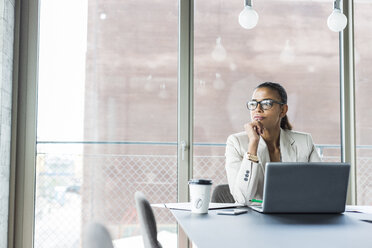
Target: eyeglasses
266 104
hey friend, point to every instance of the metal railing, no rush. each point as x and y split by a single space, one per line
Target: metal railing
75 189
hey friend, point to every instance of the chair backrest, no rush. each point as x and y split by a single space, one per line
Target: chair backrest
97 236
221 194
147 222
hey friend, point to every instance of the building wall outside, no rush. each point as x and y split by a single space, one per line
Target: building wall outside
6 69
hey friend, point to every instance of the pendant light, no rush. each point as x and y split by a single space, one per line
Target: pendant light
219 52
337 21
248 18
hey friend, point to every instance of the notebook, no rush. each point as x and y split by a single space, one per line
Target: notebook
297 187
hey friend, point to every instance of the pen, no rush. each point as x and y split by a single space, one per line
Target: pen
255 200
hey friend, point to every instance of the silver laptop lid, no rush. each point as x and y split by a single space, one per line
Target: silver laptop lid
294 187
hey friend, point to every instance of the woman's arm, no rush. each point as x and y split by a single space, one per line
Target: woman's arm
242 174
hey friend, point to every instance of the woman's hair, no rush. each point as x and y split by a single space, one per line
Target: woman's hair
284 123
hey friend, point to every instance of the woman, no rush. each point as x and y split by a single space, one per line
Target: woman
267 138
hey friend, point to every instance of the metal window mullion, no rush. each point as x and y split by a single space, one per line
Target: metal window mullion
347 81
23 154
185 104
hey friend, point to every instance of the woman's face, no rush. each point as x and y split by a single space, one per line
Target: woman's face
270 118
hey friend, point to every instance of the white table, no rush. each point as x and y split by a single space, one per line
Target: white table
256 230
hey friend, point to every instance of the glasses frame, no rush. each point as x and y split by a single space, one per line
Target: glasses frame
259 103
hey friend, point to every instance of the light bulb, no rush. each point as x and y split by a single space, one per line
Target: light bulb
103 16
287 55
232 66
149 84
248 18
337 21
218 83
163 92
202 90
219 52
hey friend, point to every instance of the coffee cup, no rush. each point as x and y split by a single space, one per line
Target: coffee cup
200 195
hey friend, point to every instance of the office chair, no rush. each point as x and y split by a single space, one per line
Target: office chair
97 236
147 221
221 194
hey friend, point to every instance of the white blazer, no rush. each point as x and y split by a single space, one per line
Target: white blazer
246 178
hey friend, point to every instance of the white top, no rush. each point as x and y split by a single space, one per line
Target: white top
246 178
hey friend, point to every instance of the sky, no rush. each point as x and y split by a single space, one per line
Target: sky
62 50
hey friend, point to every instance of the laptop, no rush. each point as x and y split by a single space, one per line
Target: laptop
296 187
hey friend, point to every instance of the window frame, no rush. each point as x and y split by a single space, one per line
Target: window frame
347 99
23 141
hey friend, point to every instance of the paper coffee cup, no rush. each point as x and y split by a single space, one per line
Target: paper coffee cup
200 195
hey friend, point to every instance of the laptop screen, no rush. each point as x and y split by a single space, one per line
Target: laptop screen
295 187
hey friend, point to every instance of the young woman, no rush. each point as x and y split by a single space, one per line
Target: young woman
267 138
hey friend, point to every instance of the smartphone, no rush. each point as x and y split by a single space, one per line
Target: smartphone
233 211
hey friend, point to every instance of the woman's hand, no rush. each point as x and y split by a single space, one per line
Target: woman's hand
254 130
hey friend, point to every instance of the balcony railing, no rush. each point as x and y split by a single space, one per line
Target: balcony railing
77 188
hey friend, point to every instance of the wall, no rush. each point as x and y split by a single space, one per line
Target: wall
6 70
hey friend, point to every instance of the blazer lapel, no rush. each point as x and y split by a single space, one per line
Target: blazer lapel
287 147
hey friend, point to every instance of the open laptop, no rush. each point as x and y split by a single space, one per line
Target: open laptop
295 187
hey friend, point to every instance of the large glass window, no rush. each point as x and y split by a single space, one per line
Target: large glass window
363 82
107 102
107 118
291 45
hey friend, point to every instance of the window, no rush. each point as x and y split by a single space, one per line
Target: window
107 118
363 86
107 102
291 45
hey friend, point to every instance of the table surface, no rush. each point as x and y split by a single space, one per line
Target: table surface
255 229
